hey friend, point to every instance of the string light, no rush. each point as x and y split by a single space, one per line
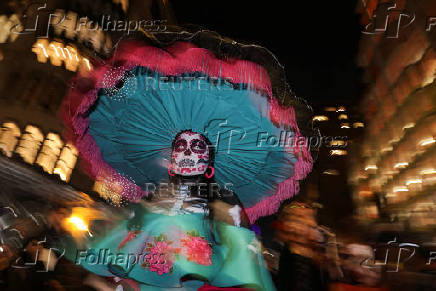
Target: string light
119 75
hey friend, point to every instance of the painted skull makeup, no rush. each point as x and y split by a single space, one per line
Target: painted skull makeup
190 154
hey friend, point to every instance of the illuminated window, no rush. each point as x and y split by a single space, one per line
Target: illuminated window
9 136
342 116
394 140
371 167
331 172
71 58
5 31
401 165
320 118
341 109
409 125
338 152
400 189
30 143
428 176
8 26
358 124
414 181
337 143
58 54
365 193
330 109
345 125
427 141
67 160
372 212
429 171
387 149
40 49
50 152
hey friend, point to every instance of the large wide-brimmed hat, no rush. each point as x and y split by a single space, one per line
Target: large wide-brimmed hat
124 114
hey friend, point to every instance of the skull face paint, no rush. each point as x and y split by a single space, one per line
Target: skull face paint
190 154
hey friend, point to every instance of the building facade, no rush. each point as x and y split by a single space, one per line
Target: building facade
42 46
340 127
393 174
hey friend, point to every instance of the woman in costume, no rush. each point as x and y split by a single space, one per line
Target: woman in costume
175 130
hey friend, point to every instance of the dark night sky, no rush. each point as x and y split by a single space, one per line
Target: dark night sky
316 41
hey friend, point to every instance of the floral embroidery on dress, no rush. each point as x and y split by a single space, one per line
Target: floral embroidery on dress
196 249
160 255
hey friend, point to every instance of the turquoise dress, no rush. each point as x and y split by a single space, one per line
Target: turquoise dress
171 244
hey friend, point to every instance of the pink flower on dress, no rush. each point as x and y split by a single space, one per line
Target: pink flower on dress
197 249
161 258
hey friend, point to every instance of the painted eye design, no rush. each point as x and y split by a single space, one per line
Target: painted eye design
198 146
180 145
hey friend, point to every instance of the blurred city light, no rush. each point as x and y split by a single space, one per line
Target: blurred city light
371 167
338 152
320 118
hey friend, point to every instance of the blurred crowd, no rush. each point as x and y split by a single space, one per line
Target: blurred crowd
301 255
